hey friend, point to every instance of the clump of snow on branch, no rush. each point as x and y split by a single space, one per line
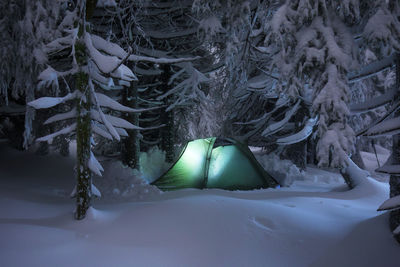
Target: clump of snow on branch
331 148
315 47
382 31
210 26
188 89
48 77
301 135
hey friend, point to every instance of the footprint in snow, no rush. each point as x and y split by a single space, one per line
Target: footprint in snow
263 223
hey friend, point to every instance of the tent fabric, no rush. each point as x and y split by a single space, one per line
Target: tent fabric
215 163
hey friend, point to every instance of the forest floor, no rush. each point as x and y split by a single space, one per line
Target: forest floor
314 222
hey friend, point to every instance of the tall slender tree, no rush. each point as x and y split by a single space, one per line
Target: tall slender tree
94 63
88 66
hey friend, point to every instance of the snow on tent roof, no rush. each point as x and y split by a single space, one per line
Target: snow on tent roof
215 163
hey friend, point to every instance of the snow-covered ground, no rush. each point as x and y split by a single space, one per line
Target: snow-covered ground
371 161
314 222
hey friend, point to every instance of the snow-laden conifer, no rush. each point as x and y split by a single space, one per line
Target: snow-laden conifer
315 46
94 62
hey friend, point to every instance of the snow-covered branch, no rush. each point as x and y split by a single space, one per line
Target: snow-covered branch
108 102
277 126
390 204
48 102
385 128
301 135
50 137
371 69
374 102
115 121
63 116
115 50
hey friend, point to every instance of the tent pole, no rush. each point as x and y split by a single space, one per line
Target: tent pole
208 158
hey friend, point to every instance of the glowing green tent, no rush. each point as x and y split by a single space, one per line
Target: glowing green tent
215 163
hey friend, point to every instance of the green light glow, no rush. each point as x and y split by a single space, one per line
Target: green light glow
189 170
194 156
220 158
228 168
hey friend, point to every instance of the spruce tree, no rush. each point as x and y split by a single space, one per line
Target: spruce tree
89 67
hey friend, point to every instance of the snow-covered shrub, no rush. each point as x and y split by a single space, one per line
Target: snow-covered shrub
284 171
123 183
153 164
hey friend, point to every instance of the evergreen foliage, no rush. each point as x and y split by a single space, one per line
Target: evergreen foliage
301 77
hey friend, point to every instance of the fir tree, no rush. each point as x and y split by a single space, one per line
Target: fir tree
317 48
88 66
381 34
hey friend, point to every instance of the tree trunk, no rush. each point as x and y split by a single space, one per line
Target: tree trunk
83 126
356 157
167 118
64 146
167 135
394 181
131 145
297 153
83 134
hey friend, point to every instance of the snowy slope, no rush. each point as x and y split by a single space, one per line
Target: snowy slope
371 163
315 222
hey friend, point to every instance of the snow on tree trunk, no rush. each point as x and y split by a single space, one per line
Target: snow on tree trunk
131 145
83 135
83 125
336 136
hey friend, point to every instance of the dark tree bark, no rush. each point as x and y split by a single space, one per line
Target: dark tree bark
297 153
131 145
13 130
394 181
167 118
83 134
311 148
64 147
83 127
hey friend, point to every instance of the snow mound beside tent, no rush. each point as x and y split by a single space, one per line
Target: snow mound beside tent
284 171
122 183
153 164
